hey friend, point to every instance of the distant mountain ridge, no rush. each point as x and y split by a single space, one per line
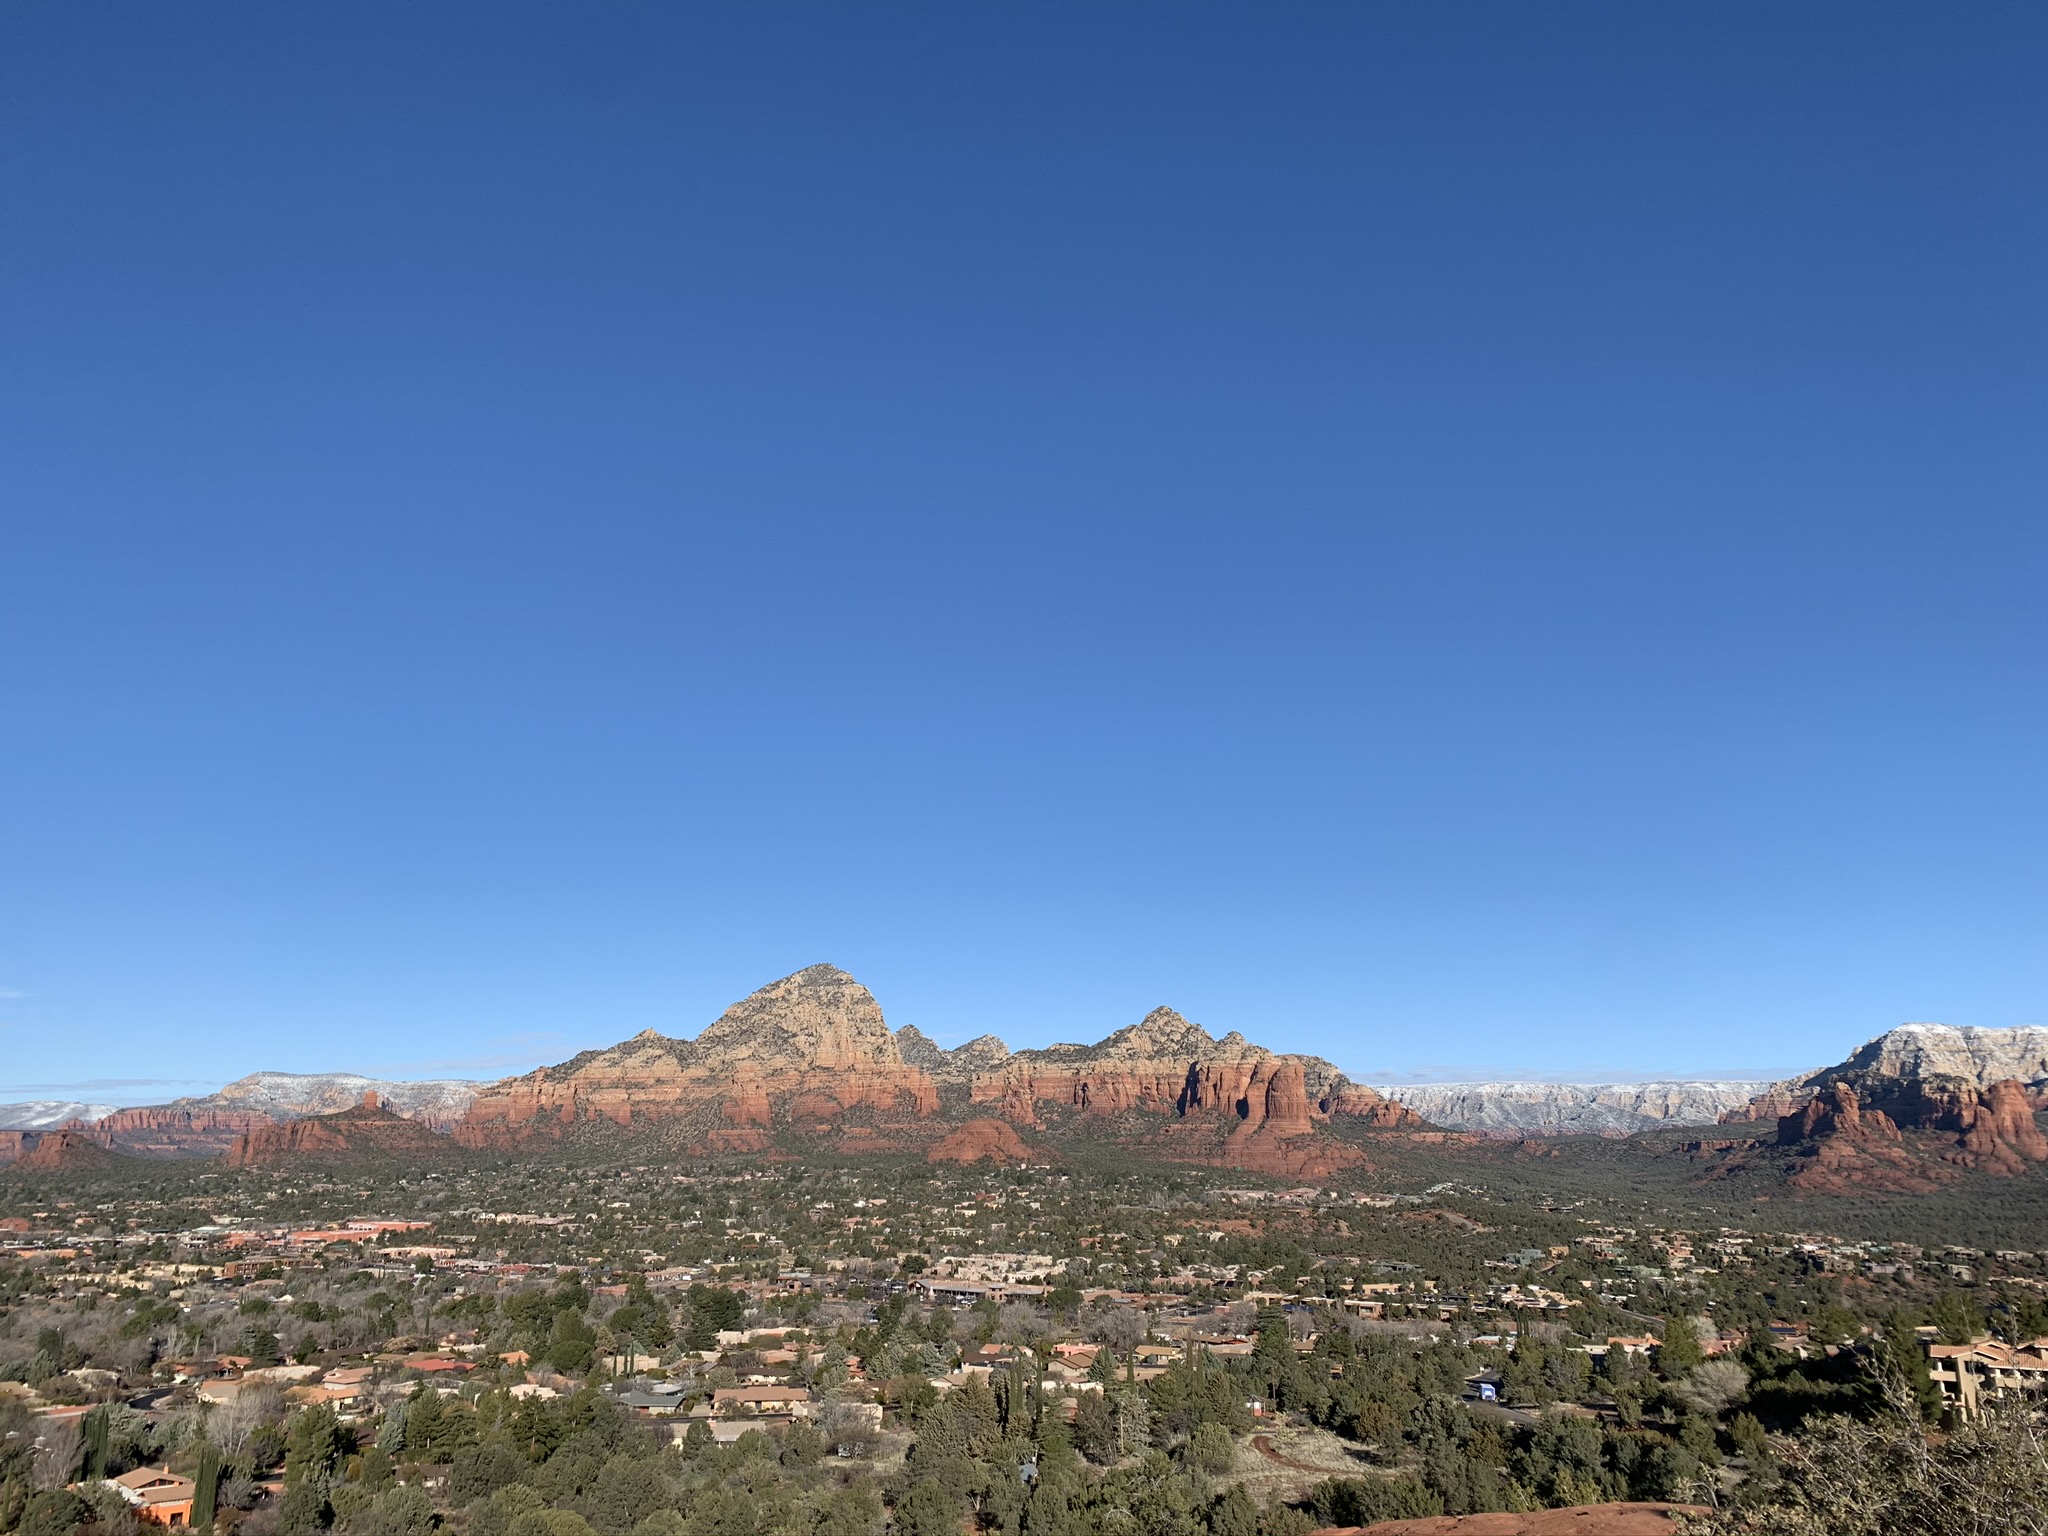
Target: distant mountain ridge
48 1114
808 1065
207 1125
1965 1054
438 1102
1573 1109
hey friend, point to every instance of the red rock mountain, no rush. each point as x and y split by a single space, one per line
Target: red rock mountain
994 1141
366 1131
169 1130
64 1152
1887 1135
808 1053
811 1055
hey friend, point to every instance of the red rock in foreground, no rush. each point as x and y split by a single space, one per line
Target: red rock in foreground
1576 1520
994 1141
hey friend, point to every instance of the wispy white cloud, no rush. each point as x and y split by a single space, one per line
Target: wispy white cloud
96 1084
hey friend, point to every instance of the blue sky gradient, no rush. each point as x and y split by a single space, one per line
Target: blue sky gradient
1465 539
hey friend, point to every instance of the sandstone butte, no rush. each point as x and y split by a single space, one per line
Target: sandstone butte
168 1130
812 1054
993 1141
366 1130
62 1151
1879 1134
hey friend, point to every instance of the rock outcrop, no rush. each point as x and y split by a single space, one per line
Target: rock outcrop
1225 1101
1998 1132
438 1102
994 1141
804 1052
1912 1142
365 1132
61 1152
1164 1064
811 1056
168 1131
1836 1112
1935 1054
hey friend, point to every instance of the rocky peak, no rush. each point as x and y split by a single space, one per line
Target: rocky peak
1161 1035
918 1049
984 1053
818 1017
1979 1057
1835 1112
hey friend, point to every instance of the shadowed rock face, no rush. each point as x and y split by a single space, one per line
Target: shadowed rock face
166 1130
1946 1057
365 1131
1167 1065
1836 1113
1913 1144
208 1125
63 1152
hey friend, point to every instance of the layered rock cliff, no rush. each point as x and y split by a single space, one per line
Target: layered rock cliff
207 1125
1223 1101
1913 1138
63 1152
1165 1064
165 1130
1913 1053
365 1131
811 1055
801 1053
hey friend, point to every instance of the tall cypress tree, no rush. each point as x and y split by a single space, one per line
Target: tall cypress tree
96 1444
205 1491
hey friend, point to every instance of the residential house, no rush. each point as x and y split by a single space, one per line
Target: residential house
1969 1373
158 1496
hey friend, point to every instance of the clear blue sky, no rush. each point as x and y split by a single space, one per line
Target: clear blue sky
1452 536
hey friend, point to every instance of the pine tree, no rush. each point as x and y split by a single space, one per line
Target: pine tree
1680 1351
